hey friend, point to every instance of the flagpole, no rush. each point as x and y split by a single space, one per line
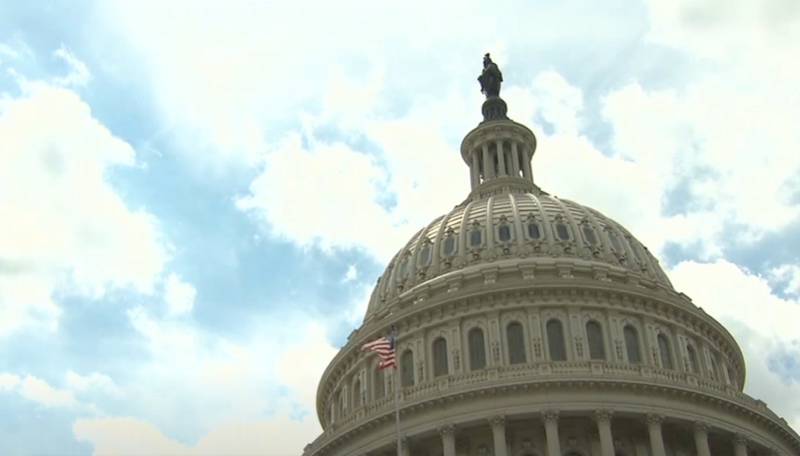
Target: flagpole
396 391
397 409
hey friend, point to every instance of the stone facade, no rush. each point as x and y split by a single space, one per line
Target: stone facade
530 325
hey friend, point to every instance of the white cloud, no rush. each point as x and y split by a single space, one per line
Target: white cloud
179 296
326 195
728 130
78 75
227 77
39 391
254 380
93 382
8 381
301 365
787 276
121 436
728 32
345 198
763 324
278 436
554 99
43 393
351 274
64 226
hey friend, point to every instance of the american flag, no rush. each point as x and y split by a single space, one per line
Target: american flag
384 347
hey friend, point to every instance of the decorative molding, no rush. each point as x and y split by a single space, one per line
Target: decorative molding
654 419
447 430
603 415
740 439
550 415
700 427
497 421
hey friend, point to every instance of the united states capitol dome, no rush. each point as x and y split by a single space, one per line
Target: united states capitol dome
531 325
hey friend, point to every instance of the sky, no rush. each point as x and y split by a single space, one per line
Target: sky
196 198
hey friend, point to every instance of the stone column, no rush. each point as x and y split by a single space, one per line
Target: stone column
701 439
499 435
501 158
739 445
515 159
475 172
448 433
488 163
405 449
603 418
656 438
526 164
551 432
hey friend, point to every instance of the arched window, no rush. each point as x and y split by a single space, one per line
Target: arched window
516 343
477 349
475 237
534 231
378 387
357 394
407 368
555 340
692 359
562 231
594 336
665 352
425 254
403 271
632 344
504 232
339 404
731 378
450 245
614 241
714 372
439 357
588 233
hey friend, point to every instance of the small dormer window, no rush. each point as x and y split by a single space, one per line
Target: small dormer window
588 233
450 245
425 254
562 231
614 241
635 251
504 232
475 237
534 231
403 271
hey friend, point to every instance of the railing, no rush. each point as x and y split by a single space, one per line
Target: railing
505 375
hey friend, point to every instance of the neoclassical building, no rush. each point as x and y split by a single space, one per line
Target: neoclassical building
531 325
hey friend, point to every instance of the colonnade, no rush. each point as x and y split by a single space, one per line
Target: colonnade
484 167
603 420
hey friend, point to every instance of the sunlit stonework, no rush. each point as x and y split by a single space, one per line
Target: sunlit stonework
530 325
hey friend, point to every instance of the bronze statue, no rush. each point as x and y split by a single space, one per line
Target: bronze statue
490 78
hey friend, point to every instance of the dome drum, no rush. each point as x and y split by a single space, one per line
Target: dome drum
612 309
